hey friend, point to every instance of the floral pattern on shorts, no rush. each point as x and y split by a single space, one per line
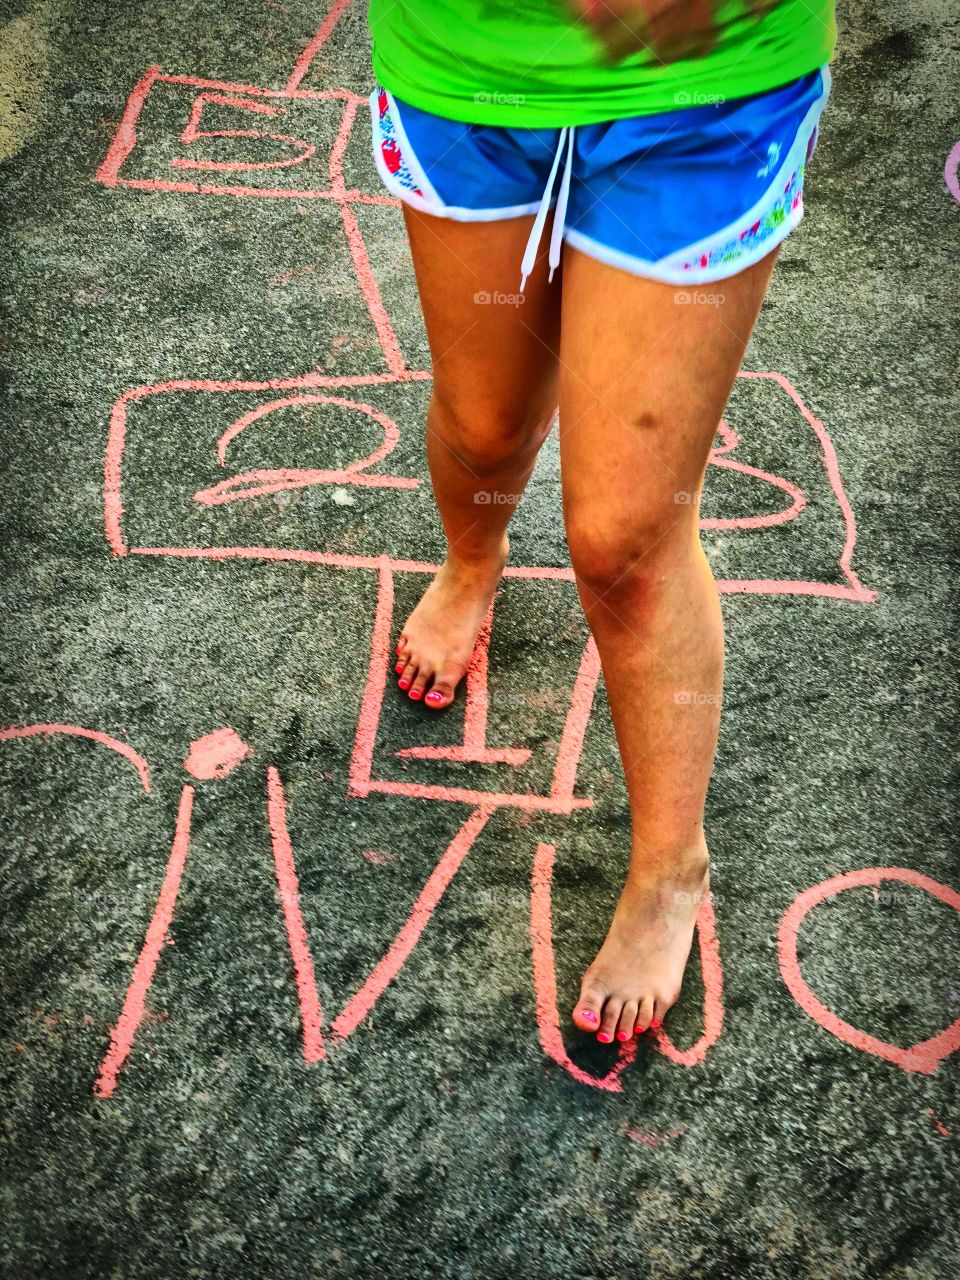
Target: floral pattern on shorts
390 147
790 201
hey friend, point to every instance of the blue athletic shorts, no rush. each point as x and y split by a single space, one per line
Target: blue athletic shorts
685 196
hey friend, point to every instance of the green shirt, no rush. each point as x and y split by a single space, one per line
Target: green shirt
529 63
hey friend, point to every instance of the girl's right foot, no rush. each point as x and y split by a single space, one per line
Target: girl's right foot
437 642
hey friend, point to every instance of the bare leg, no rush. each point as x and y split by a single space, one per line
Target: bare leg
644 380
494 397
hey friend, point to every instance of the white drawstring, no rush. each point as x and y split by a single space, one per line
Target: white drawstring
556 235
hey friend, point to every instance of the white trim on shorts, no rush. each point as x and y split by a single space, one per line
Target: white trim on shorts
430 202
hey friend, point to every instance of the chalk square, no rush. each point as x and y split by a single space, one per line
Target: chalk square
414 768
198 136
797 518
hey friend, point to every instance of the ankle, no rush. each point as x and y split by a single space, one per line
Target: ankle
479 559
685 865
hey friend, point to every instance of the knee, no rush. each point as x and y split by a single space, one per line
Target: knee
627 556
488 438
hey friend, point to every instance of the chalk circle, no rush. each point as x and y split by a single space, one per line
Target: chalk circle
262 482
391 434
924 1056
124 749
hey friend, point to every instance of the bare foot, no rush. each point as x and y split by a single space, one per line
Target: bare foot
437 641
637 973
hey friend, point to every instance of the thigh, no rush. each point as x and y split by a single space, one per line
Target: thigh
494 350
646 370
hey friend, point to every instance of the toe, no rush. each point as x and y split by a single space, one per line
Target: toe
628 1020
407 675
441 692
609 1020
419 685
586 1015
662 1006
644 1014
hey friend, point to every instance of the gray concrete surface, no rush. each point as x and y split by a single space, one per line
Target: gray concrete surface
440 1139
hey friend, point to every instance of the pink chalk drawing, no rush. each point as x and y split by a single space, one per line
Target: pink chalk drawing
360 1003
134 1004
210 757
545 985
93 735
651 1140
310 388
228 97
254 484
938 1124
253 100
719 458
850 587
193 133
216 754
257 484
310 1013
923 1057
951 170
474 747
236 140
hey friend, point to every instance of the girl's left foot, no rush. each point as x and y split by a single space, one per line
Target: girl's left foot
637 974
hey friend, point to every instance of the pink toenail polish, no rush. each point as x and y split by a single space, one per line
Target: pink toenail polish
415 694
589 1015
434 697
654 1024
639 1030
604 1037
622 1035
403 684
398 668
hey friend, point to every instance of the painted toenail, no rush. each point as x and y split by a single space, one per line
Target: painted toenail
403 684
639 1030
589 1015
604 1037
434 697
622 1035
415 694
654 1024
398 668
